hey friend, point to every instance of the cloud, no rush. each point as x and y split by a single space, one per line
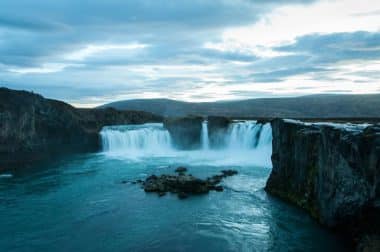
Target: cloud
279 75
33 24
368 13
336 47
325 57
69 26
98 51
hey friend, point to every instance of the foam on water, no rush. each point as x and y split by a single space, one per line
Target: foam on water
6 175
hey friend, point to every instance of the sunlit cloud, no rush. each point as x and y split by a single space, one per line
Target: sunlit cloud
90 50
285 24
43 69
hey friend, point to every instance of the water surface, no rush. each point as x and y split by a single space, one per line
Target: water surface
81 204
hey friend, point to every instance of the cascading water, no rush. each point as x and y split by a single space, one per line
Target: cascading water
244 142
150 138
248 135
243 135
204 136
265 138
249 142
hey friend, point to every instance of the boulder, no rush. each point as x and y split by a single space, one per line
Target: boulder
181 169
227 173
183 185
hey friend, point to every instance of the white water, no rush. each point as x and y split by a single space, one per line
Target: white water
248 135
204 136
245 142
146 139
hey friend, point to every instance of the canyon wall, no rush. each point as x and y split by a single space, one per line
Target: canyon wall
33 128
331 170
185 131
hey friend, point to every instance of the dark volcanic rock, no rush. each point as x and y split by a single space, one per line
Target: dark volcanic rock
182 195
161 194
33 128
183 185
217 129
181 169
333 173
185 131
218 188
227 173
96 119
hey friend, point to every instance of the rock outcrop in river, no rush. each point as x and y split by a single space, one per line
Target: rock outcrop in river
217 129
185 131
184 184
33 128
332 171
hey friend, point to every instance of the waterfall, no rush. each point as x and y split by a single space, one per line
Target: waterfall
204 136
244 142
248 135
149 138
153 137
265 138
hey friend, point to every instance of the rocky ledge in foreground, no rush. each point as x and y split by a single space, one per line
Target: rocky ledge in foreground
184 184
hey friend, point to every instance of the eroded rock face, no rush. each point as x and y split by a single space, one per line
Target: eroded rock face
185 131
183 184
33 128
332 172
217 129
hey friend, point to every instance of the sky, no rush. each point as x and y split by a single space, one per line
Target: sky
89 53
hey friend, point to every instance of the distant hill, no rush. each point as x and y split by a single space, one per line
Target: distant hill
312 106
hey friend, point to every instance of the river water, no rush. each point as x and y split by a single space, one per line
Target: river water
80 203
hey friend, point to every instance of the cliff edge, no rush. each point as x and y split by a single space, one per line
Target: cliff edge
33 128
331 170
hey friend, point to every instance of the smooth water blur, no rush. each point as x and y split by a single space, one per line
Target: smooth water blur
247 135
139 140
205 142
245 143
80 204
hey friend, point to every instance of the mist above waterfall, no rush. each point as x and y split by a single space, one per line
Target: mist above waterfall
245 142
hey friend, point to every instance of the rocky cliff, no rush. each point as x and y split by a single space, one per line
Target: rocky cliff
33 128
331 170
217 129
185 131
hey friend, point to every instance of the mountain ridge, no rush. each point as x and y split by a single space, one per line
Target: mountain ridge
310 106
